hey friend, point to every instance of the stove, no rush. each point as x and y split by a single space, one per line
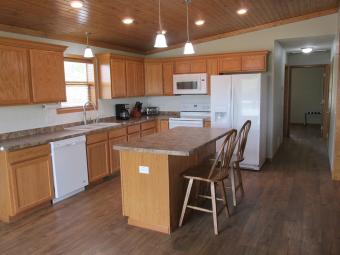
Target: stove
191 115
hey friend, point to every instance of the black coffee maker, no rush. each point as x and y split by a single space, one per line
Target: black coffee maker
122 113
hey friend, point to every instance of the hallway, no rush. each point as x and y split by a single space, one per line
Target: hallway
290 207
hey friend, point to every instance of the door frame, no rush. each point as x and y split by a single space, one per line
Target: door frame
287 98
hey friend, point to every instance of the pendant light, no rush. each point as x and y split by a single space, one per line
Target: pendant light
160 41
88 51
188 48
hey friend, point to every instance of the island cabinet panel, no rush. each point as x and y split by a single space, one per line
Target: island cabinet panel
47 74
153 78
168 72
230 64
98 162
135 78
25 181
14 78
118 78
252 63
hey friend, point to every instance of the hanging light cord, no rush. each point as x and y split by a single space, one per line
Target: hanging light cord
159 16
187 3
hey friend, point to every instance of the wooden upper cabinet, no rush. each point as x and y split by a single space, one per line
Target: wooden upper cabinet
135 78
118 78
230 64
153 78
191 66
253 63
14 78
168 72
47 74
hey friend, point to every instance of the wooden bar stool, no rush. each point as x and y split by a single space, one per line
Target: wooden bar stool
212 172
237 158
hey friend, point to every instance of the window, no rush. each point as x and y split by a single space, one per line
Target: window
80 84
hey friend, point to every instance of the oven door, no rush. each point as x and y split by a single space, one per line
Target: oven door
185 123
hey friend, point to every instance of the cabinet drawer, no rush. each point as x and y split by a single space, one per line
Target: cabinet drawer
148 125
95 138
30 153
133 137
133 128
117 132
148 132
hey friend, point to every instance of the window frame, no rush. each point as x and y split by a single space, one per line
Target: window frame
92 86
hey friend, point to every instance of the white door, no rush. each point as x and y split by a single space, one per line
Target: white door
247 106
221 103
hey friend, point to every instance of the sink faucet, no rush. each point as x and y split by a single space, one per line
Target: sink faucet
88 103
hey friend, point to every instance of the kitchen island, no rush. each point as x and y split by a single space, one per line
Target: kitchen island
153 188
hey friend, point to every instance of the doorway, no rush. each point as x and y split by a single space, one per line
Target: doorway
306 96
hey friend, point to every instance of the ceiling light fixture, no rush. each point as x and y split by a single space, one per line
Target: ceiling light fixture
242 11
88 51
199 22
160 41
77 4
307 50
128 21
188 47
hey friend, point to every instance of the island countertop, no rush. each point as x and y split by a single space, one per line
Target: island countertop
179 141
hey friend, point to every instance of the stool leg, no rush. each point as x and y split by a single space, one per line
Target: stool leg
185 203
225 199
213 203
233 189
239 177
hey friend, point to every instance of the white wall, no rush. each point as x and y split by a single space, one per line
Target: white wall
317 58
16 118
306 94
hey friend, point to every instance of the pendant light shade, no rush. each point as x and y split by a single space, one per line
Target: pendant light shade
160 41
88 51
188 47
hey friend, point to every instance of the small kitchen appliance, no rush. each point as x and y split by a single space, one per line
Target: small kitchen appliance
151 111
122 112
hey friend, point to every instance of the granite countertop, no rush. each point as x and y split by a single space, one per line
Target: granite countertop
39 139
180 141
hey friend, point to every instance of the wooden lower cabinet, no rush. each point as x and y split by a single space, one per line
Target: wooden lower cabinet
25 181
149 132
207 124
133 137
114 154
98 156
163 125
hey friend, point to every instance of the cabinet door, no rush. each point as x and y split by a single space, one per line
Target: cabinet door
163 125
118 78
212 69
114 154
148 132
97 160
133 137
135 78
168 72
229 64
254 63
153 79
182 67
198 66
14 78
31 183
48 78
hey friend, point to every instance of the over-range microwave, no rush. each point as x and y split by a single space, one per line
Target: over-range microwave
189 84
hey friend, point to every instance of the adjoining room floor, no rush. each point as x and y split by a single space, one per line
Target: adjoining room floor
290 207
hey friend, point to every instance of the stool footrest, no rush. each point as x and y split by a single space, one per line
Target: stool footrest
199 209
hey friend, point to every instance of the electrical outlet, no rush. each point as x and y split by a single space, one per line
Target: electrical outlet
144 170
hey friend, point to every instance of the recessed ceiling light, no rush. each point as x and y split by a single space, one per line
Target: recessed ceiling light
77 4
307 50
128 21
199 22
242 11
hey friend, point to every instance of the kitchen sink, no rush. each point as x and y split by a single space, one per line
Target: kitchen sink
94 126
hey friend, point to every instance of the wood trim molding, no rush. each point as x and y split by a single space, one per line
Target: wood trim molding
78 58
73 109
250 29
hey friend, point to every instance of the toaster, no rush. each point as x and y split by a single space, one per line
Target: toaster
151 111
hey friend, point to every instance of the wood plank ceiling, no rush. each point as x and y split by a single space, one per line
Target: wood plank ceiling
56 19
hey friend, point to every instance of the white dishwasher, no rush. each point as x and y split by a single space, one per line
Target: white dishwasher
69 167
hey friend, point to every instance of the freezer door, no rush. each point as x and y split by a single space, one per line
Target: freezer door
247 106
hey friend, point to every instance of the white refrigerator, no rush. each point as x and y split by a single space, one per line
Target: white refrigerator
235 99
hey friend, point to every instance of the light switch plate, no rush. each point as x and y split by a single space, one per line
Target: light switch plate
144 170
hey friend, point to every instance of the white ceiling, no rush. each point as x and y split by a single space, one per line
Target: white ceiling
317 43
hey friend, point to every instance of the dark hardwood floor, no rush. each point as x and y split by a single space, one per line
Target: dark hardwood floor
290 207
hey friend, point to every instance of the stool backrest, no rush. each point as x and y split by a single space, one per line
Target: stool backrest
220 168
242 140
